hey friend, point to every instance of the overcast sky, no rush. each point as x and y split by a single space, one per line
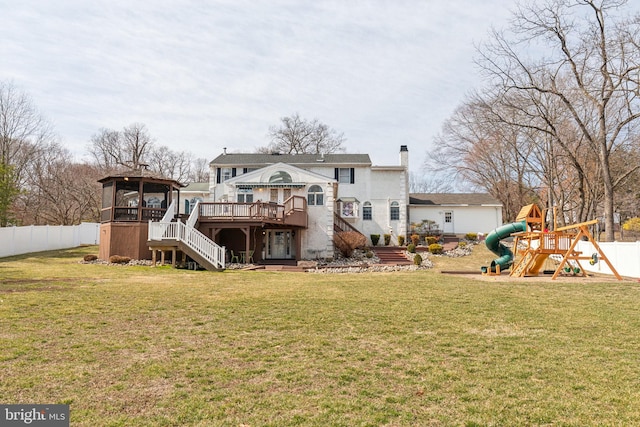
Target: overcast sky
203 75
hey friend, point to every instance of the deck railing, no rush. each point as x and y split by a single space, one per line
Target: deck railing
291 212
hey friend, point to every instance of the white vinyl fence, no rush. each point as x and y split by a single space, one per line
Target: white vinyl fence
625 257
38 238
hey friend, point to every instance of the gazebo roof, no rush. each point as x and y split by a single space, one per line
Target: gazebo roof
136 175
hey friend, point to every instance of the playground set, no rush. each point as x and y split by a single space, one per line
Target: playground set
535 246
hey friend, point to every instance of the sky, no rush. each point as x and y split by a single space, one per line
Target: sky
204 75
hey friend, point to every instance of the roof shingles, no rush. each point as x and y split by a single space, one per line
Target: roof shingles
451 199
294 159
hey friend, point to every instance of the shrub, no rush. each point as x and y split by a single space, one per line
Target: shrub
431 240
462 244
400 240
417 259
348 241
118 259
632 224
415 239
375 238
471 236
411 248
435 248
369 254
90 257
387 239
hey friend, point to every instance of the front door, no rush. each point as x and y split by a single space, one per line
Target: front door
448 222
279 244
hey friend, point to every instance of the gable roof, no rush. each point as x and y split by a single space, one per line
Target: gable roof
197 186
453 199
247 159
261 177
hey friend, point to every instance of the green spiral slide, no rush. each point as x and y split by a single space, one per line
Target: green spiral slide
505 256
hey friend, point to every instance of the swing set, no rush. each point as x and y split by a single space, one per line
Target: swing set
534 247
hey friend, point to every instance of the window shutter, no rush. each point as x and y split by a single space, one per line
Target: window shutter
218 172
244 170
353 175
336 174
233 172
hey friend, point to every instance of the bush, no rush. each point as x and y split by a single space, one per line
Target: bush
462 244
400 240
387 239
415 239
435 248
411 248
348 241
117 259
431 240
375 238
369 254
417 260
632 224
471 236
90 257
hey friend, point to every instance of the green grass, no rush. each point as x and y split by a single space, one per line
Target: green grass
127 346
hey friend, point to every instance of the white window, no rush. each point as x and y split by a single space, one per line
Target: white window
245 195
315 196
280 177
225 174
367 213
345 175
394 211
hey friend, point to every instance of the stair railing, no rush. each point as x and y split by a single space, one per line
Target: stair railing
201 244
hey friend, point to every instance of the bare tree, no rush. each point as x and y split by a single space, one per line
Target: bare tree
23 134
296 135
429 183
106 150
59 191
128 148
137 144
591 65
487 153
170 164
199 170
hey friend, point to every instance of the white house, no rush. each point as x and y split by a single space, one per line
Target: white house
456 213
340 192
279 207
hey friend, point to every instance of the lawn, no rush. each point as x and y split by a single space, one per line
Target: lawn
136 346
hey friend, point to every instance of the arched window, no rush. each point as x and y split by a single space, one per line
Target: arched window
280 177
367 214
394 211
315 196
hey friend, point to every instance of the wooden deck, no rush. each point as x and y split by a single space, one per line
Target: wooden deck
292 213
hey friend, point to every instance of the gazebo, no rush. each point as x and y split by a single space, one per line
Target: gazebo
129 202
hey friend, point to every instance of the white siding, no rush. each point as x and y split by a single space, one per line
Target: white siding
466 219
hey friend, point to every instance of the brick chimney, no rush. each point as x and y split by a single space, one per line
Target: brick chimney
404 156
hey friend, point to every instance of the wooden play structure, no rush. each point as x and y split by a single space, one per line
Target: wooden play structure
537 247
